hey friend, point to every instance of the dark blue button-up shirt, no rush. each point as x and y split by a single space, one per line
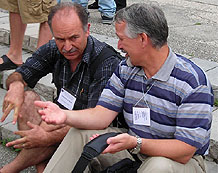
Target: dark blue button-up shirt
85 87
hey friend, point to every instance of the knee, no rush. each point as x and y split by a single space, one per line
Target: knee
74 133
28 110
81 135
157 165
29 98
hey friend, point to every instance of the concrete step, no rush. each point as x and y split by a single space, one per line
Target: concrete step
213 152
44 87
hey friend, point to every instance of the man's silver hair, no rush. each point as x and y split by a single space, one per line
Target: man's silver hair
145 18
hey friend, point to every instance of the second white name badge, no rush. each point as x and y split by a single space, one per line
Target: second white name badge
141 116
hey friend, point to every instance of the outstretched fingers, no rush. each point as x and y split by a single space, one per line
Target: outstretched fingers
7 109
94 136
16 142
41 104
16 113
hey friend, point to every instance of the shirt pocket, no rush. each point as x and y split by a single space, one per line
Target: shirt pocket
47 4
15 3
83 97
35 7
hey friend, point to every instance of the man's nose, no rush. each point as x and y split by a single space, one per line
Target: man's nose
67 45
119 45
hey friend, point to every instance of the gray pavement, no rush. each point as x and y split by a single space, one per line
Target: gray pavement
193 29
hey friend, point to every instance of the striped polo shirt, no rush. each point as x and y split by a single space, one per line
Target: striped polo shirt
179 96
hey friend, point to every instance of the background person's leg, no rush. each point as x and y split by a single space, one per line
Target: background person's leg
120 4
94 5
107 9
17 30
84 3
44 34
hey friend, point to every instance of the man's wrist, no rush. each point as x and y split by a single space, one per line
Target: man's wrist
137 147
16 85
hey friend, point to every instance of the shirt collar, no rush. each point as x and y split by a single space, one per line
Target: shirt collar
89 47
164 72
92 50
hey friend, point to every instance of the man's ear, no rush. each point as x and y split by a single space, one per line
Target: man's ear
88 28
144 39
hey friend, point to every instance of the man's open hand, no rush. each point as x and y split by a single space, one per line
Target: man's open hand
51 113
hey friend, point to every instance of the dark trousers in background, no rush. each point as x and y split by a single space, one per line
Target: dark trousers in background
120 4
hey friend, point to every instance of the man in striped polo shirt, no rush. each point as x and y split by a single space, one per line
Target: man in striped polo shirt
166 100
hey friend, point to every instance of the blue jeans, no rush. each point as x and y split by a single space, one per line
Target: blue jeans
106 7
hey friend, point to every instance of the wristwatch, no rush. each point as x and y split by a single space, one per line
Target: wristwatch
137 148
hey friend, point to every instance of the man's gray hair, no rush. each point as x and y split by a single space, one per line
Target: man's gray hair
68 6
145 18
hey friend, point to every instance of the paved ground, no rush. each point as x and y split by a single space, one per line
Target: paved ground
192 32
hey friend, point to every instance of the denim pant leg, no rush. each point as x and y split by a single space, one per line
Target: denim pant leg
107 7
84 3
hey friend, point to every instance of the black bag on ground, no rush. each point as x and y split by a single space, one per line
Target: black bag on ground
124 166
94 148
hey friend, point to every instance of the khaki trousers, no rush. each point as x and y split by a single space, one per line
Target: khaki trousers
71 148
31 11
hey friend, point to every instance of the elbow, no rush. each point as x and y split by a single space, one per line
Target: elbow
187 154
184 159
103 125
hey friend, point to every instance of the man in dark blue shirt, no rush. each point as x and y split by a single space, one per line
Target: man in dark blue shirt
70 57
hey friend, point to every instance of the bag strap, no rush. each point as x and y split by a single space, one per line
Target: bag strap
91 150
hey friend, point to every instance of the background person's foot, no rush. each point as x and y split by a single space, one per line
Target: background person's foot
107 20
7 64
94 5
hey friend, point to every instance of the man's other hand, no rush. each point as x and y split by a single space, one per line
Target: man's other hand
119 143
35 137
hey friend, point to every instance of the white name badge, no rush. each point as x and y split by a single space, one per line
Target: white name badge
66 99
141 116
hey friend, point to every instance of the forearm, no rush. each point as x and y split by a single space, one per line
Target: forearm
84 120
94 118
56 136
14 77
169 148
